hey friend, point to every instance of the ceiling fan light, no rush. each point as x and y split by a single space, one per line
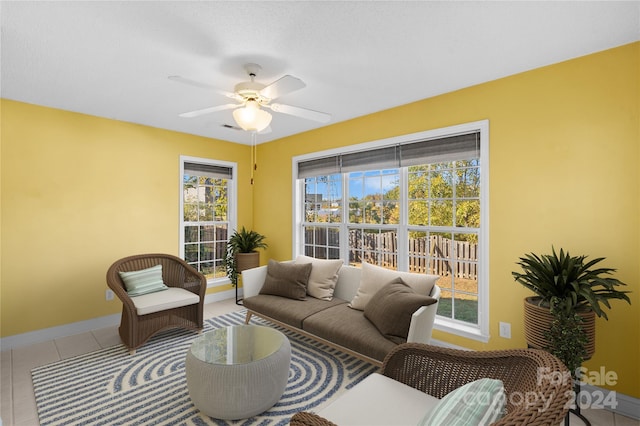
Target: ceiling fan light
251 117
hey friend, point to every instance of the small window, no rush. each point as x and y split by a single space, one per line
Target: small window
207 214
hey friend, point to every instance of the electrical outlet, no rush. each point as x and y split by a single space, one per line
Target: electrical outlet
109 295
505 330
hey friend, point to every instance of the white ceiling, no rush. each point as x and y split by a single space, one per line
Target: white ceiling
112 59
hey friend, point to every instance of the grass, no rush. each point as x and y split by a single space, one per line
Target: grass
466 310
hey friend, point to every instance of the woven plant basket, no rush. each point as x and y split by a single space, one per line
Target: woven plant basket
537 320
247 260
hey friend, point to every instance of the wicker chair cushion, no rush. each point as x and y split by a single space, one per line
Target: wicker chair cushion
391 308
481 402
375 277
287 280
171 298
379 400
144 281
323 277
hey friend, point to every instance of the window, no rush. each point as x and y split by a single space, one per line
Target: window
207 212
415 203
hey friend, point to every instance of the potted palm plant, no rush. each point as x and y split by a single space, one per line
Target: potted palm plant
241 253
574 285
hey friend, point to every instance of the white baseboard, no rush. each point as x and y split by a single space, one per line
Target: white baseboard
600 398
222 295
38 336
442 344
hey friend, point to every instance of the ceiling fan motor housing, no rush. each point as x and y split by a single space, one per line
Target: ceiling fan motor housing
250 90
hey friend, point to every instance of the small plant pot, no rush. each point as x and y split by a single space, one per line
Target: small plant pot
247 260
537 321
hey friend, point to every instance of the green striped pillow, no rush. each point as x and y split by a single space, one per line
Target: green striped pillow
477 403
144 281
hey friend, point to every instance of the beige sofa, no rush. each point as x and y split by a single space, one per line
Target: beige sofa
345 321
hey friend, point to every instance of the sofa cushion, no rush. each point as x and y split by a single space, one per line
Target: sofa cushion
286 279
288 311
390 309
171 298
375 277
477 403
379 400
349 328
323 277
143 281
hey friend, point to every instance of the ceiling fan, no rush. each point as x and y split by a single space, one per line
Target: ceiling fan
252 97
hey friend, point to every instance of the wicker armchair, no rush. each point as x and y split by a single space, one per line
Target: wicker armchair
536 392
136 329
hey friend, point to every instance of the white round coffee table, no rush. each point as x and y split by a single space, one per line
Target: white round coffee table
238 371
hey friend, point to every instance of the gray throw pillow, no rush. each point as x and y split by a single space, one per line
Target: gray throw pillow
391 308
287 280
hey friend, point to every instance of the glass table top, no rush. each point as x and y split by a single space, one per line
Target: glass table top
237 344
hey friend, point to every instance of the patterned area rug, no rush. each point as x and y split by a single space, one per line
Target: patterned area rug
110 387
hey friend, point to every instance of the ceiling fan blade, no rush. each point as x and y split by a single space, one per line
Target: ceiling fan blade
282 86
208 110
201 85
309 114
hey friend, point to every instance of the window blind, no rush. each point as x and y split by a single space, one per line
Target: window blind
208 170
378 158
319 166
459 147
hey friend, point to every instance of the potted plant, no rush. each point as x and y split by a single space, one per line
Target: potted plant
566 338
574 286
241 253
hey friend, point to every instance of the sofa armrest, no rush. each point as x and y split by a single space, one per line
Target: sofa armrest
423 319
252 280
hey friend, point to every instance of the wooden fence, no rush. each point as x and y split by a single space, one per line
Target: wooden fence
435 254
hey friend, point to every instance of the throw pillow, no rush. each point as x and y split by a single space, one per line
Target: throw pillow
323 278
391 308
143 281
477 403
374 277
286 279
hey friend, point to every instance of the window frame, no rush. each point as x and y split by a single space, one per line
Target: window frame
479 332
232 211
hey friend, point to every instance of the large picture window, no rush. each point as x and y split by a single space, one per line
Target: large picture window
207 214
415 203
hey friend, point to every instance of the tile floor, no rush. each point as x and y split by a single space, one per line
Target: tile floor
17 403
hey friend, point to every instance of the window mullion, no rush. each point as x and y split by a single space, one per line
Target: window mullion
344 222
403 234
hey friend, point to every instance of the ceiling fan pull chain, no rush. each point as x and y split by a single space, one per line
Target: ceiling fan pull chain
254 155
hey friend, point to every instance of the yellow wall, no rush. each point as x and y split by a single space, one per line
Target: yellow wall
79 192
564 155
